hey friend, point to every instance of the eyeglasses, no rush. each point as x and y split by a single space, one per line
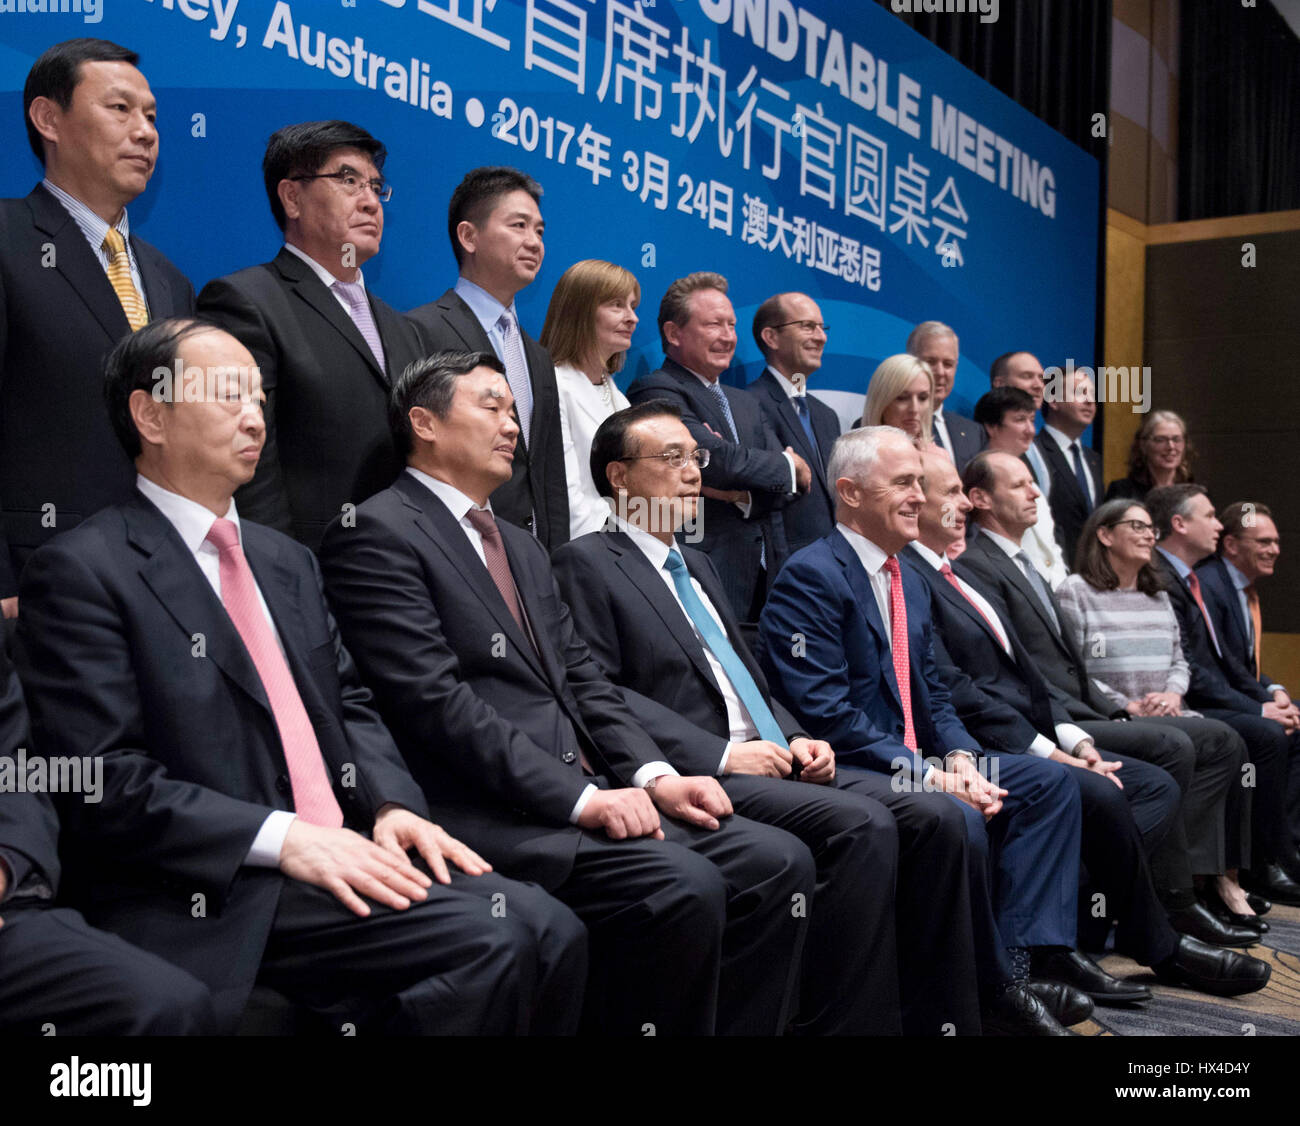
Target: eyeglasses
1168 440
1140 527
806 326
352 183
676 458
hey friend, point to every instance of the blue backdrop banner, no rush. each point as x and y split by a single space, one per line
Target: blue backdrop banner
816 146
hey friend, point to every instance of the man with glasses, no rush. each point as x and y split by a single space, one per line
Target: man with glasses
789 331
750 477
327 348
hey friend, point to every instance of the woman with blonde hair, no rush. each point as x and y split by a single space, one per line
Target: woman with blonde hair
588 331
901 393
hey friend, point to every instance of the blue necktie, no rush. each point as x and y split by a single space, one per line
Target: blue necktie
722 651
805 417
1080 474
721 396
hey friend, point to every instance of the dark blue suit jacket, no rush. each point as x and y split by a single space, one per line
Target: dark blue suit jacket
967 436
1225 611
827 656
754 464
812 515
127 654
1070 507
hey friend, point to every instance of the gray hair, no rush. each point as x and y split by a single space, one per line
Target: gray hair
854 452
924 331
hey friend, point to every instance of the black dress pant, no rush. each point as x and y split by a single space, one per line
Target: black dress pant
1270 749
943 957
484 955
60 976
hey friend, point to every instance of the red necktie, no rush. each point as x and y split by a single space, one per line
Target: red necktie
313 798
494 554
946 572
898 643
1194 585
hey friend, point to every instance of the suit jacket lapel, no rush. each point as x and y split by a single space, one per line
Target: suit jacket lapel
865 597
304 282
434 519
157 290
704 401
174 578
77 263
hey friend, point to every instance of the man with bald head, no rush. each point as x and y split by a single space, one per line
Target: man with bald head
936 345
789 331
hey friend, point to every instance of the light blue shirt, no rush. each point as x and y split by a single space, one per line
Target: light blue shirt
1241 583
487 310
95 229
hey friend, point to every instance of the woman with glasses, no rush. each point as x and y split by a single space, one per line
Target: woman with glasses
901 393
1116 610
1160 455
588 331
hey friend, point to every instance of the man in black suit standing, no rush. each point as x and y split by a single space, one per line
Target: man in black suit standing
251 795
749 475
789 332
521 743
495 226
935 344
327 348
1073 468
58 975
1222 688
73 281
655 616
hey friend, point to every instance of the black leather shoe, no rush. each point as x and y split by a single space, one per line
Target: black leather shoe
1258 904
1018 1012
1197 922
1067 1004
1220 910
1273 883
1080 971
1225 973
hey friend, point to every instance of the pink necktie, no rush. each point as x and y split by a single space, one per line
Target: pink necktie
313 799
898 643
354 293
947 573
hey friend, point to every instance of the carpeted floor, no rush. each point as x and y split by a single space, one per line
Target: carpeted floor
1273 1011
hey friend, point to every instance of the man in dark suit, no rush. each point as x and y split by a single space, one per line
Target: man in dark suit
519 739
846 646
935 344
1222 688
327 348
73 280
59 976
749 476
1073 468
789 332
637 597
1204 765
244 772
1012 707
495 227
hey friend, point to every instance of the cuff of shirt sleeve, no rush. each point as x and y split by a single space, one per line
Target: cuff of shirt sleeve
1042 746
265 850
722 762
1070 736
1278 688
651 770
794 476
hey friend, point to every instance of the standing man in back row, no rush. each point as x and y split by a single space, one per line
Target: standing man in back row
496 229
935 344
73 281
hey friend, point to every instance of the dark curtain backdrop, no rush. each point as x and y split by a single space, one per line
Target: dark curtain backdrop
1239 111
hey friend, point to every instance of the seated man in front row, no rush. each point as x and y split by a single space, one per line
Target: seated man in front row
251 796
520 740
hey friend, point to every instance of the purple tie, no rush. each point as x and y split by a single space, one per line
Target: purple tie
354 293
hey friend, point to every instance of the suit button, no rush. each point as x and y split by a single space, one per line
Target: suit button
282 784
568 757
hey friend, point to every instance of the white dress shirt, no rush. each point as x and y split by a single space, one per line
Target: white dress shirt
740 726
1068 736
582 409
942 427
192 523
1044 475
458 504
94 228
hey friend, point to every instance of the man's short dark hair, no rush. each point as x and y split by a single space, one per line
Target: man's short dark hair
979 473
610 440
767 315
303 149
1235 518
1002 364
431 383
477 194
1169 501
57 72
995 405
133 364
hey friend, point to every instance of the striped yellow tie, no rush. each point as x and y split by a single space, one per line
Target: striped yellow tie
119 276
